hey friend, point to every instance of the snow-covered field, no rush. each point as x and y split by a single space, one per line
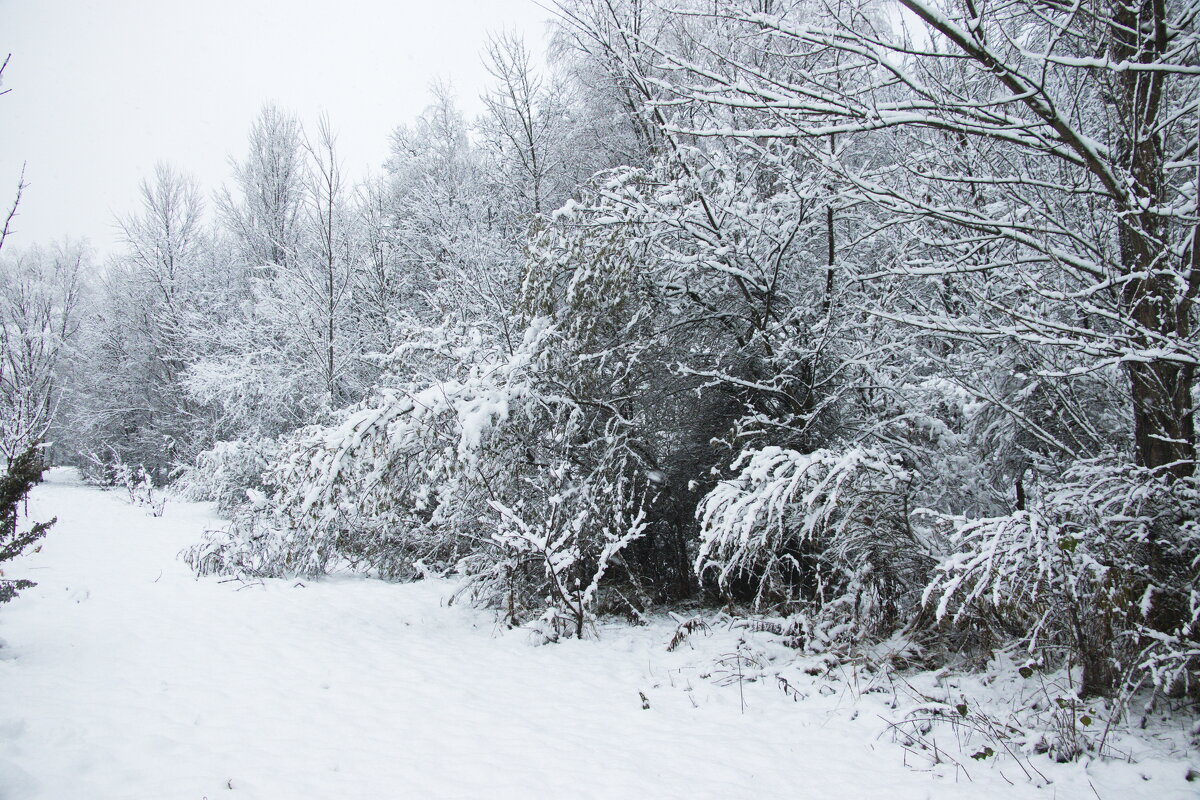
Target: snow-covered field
123 676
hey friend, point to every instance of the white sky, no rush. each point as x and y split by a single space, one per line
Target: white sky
102 89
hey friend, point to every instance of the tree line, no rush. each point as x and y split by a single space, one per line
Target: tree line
879 316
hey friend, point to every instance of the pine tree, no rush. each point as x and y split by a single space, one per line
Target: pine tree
24 472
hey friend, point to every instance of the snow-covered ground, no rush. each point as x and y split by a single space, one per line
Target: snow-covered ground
123 676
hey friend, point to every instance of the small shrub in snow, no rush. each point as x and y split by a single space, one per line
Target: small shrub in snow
685 628
1104 567
827 531
103 469
737 668
140 490
226 472
1010 711
574 537
244 548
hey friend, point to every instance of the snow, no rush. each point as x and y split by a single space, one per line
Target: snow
123 676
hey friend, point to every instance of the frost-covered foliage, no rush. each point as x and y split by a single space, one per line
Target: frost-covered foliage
828 531
140 490
1104 567
228 473
127 403
365 491
486 473
686 290
568 526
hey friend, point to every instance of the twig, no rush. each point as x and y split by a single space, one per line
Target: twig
12 212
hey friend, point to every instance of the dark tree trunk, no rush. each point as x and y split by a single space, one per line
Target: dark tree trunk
1158 302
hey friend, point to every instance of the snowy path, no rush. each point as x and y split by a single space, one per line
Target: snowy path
124 677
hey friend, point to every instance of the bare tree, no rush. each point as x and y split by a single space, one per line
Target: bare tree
454 235
39 306
325 279
270 183
166 238
380 285
528 125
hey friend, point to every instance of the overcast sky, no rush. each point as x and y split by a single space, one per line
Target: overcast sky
102 89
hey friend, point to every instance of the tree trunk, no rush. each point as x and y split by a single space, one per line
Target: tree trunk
1161 391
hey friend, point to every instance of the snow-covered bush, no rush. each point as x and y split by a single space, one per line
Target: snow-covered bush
1103 568
111 471
368 491
228 474
828 531
103 469
490 474
140 490
563 529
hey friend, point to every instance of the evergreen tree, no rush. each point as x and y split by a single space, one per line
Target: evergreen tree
24 472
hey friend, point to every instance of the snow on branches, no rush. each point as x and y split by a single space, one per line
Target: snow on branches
817 529
1105 564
